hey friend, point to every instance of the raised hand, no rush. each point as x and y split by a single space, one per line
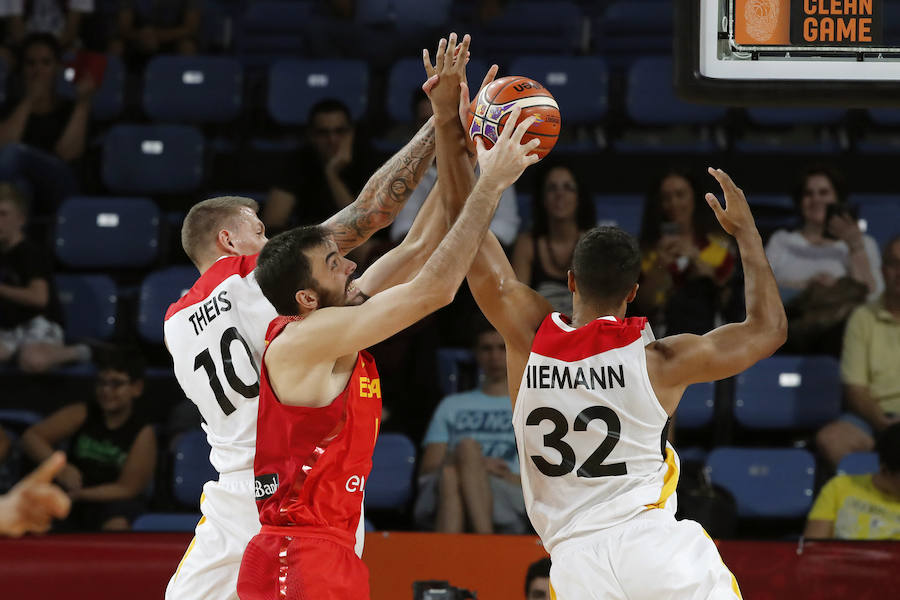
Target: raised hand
508 158
735 217
446 75
35 501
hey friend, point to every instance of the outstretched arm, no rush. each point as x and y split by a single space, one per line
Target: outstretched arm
443 203
385 193
678 361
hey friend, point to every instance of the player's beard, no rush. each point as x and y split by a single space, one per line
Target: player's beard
330 297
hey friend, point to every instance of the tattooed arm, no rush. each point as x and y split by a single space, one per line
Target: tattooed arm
385 193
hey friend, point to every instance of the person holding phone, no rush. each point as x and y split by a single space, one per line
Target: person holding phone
687 261
824 268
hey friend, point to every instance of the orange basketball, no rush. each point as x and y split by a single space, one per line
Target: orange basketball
490 110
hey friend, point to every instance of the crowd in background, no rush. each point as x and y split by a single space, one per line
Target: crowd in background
841 288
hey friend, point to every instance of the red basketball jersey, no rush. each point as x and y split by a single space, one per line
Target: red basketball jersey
312 464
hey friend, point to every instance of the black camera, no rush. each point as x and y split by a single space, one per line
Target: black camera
440 590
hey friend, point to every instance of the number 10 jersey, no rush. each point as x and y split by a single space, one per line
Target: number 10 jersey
590 430
216 335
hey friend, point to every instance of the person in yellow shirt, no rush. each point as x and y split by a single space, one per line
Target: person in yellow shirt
869 369
862 507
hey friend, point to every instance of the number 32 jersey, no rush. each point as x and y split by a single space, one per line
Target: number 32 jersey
590 430
216 335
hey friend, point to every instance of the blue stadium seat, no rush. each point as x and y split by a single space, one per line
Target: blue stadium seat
393 464
407 76
158 290
18 419
765 482
864 199
629 29
881 221
109 100
885 116
784 392
89 303
694 454
273 29
696 407
580 84
296 85
625 211
859 463
526 211
97 232
193 89
191 468
152 159
651 100
796 116
177 522
542 27
449 361
403 13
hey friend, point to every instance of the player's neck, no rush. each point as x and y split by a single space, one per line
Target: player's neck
582 315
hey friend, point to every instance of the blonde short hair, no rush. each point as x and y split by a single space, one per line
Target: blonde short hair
204 221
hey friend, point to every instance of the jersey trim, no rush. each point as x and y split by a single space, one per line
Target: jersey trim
221 270
670 481
557 339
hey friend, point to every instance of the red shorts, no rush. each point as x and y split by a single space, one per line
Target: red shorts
301 567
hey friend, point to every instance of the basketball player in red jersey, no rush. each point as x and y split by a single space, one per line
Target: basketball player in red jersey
320 392
216 333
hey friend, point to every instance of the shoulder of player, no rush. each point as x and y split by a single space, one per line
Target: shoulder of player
302 338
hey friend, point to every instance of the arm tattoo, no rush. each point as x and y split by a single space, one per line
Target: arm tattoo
385 193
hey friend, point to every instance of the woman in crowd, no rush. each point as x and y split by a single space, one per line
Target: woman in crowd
688 261
543 256
824 268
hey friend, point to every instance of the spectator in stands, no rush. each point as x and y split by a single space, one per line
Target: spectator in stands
159 27
688 261
33 502
862 507
562 212
505 224
40 131
537 580
325 176
869 369
470 469
58 18
30 314
112 454
824 270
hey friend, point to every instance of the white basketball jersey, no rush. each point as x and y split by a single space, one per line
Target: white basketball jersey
216 335
590 430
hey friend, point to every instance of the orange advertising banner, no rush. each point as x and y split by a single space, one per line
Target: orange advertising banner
762 22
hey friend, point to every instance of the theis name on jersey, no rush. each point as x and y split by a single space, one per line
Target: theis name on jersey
547 377
209 310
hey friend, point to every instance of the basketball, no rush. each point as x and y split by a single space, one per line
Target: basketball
490 110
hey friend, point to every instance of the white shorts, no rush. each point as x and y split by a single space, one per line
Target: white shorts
650 557
210 566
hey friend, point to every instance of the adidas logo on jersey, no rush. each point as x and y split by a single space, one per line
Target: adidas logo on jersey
266 485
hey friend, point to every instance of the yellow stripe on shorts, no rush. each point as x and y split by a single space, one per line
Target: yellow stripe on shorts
190 546
734 583
552 592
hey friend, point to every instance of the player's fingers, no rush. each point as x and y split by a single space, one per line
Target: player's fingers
463 53
489 76
430 83
439 55
531 145
532 158
714 204
48 469
522 127
510 124
426 59
479 146
450 52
